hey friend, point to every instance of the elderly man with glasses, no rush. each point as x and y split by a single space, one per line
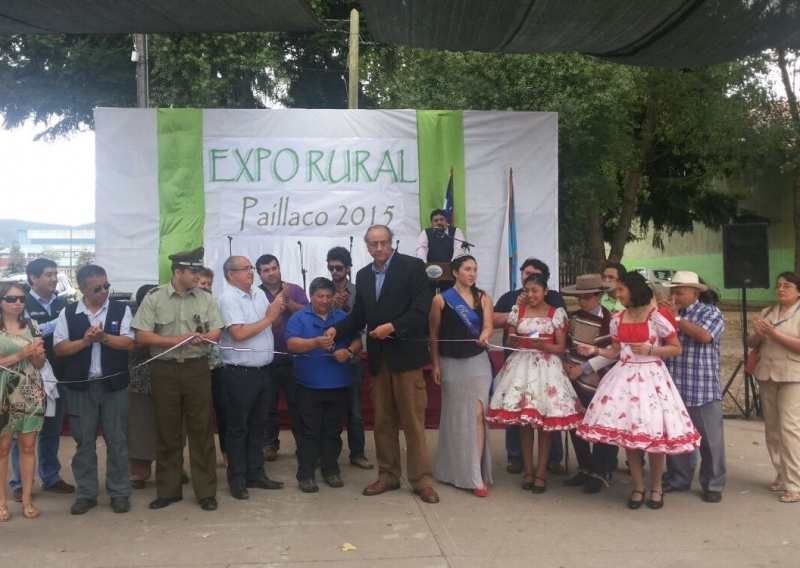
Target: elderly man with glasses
178 321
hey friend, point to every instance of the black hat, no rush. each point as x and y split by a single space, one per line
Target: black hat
189 259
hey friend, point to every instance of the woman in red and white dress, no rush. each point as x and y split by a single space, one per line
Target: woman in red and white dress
637 406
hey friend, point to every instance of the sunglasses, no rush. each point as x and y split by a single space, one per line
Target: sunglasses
336 268
14 299
98 289
199 321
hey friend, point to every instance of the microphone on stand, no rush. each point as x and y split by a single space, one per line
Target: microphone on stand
464 244
397 246
351 245
230 245
302 268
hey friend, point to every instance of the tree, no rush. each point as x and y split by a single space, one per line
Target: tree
84 258
16 260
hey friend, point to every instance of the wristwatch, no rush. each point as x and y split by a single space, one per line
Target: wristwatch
351 352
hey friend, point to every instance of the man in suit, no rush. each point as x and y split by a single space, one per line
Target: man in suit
393 300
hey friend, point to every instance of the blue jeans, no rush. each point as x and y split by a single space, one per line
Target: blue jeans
514 447
47 443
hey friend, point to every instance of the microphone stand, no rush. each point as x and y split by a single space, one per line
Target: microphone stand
464 244
397 246
351 245
230 245
302 268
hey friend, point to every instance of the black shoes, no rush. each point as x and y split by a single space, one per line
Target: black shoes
632 504
539 489
240 493
712 496
667 488
579 479
514 467
59 486
308 486
265 483
334 480
81 505
593 485
208 504
120 504
162 502
656 504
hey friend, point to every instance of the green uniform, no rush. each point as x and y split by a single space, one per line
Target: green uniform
181 384
611 304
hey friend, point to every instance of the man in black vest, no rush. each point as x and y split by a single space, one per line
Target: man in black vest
93 338
43 305
440 241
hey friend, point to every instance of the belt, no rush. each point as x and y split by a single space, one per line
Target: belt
175 361
245 368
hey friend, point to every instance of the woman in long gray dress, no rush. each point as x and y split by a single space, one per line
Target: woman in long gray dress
460 328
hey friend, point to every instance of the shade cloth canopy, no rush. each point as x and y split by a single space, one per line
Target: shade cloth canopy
670 33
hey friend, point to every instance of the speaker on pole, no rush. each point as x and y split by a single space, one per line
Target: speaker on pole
745 255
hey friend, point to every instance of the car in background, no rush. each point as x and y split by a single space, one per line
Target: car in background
64 287
657 277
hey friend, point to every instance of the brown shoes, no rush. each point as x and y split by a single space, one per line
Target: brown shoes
379 487
428 495
270 454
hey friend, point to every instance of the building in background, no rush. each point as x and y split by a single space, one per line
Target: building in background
70 248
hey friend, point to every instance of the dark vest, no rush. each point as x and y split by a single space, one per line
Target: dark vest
38 314
112 361
440 248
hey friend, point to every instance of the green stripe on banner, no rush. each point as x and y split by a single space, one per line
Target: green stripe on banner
180 184
440 143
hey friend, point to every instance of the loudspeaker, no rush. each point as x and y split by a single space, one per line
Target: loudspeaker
745 255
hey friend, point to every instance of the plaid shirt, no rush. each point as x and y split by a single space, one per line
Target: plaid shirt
696 371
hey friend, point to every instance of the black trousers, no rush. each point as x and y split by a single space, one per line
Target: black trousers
320 415
281 379
600 459
219 394
248 402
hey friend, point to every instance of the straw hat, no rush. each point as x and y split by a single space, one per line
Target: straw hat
586 284
687 279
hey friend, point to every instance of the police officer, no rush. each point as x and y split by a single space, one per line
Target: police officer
180 313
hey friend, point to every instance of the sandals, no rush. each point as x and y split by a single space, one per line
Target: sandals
4 516
539 489
632 504
224 462
656 504
528 485
776 485
29 511
790 497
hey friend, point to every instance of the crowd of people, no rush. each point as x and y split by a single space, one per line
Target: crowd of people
625 370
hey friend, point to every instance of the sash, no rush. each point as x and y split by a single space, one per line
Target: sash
467 315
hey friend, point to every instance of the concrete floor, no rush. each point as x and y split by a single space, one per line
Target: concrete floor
561 528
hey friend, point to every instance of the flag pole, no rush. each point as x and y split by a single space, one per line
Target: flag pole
512 233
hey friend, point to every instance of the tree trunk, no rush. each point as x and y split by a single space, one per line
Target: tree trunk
634 176
594 241
794 112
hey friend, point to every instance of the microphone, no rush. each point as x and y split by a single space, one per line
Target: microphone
300 245
351 244
439 232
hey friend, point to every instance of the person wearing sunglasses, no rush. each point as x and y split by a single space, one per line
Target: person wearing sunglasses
340 263
21 389
93 338
178 322
42 305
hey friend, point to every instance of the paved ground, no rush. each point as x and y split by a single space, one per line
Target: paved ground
561 528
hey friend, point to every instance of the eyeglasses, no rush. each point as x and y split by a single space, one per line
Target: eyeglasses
787 285
336 267
379 244
251 267
14 299
100 287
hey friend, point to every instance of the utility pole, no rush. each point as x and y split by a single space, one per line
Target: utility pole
142 75
352 62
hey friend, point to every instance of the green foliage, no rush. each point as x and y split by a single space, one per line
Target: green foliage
84 258
16 260
58 80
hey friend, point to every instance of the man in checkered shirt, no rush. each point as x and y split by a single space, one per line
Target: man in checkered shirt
696 374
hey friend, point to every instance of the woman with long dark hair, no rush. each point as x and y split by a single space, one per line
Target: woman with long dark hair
460 328
637 406
21 393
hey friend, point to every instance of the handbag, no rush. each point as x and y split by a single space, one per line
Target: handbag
752 360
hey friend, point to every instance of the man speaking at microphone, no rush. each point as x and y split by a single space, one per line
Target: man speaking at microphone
440 241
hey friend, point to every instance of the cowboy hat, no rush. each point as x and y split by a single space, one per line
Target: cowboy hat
687 279
586 284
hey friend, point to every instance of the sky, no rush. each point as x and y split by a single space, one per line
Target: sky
57 176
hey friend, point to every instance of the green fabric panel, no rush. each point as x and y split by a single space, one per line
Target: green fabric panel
180 184
440 143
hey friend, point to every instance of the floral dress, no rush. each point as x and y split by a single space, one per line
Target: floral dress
637 405
532 388
21 391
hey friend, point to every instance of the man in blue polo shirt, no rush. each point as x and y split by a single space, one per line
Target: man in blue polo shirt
322 373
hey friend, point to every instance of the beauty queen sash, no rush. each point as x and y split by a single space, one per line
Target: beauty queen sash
468 316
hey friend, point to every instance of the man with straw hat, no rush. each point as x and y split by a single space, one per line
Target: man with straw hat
696 375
